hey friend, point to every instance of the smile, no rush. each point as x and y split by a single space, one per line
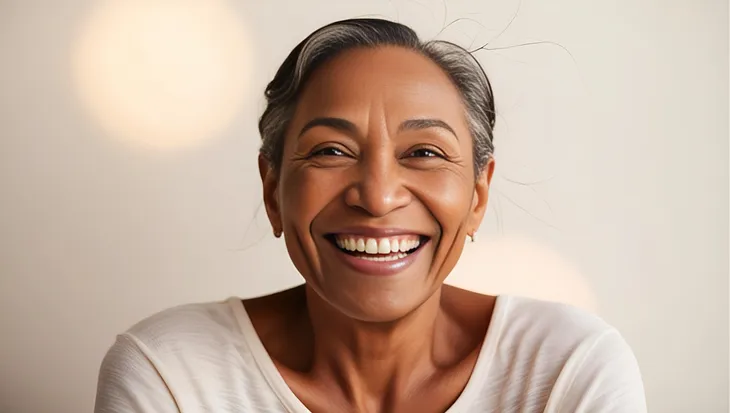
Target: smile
378 248
378 255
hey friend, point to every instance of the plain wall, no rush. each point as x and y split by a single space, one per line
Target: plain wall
611 188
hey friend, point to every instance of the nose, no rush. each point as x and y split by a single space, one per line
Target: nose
379 188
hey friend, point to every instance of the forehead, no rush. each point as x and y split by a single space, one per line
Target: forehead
391 81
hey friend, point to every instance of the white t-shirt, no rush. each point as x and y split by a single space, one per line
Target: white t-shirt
536 357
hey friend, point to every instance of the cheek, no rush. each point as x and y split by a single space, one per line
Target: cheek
305 193
447 195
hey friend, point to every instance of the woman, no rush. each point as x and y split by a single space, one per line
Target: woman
376 164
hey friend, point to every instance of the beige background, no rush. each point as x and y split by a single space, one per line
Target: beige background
611 187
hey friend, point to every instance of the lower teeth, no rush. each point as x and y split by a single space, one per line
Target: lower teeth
391 257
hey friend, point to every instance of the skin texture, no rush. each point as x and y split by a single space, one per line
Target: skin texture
354 157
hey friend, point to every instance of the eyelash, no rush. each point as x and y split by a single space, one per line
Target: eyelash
321 152
434 153
328 151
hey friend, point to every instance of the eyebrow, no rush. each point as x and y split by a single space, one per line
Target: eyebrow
350 128
417 124
334 123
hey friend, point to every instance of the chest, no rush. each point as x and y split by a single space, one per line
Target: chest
432 393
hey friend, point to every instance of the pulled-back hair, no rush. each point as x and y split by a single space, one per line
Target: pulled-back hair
327 42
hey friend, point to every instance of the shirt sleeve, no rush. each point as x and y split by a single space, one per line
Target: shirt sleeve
607 381
130 383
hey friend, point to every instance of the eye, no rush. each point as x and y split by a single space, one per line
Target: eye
328 151
425 153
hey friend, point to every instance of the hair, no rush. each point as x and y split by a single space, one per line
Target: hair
282 93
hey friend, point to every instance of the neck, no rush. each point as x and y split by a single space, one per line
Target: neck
374 361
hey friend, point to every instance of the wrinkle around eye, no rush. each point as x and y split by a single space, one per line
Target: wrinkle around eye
435 164
328 155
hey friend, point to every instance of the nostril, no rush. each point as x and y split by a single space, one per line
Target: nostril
375 201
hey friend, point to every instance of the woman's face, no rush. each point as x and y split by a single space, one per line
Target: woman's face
376 192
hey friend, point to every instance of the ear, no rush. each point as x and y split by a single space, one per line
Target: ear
481 196
270 184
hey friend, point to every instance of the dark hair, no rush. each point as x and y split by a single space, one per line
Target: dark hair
325 43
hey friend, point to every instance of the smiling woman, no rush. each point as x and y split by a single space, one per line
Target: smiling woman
376 165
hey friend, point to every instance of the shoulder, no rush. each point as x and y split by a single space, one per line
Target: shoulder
186 355
187 325
567 336
188 339
589 363
548 322
178 334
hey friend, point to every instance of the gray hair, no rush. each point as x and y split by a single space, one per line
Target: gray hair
325 43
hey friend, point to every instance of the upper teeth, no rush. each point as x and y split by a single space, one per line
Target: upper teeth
378 245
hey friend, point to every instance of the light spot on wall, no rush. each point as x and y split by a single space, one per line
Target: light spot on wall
162 73
515 265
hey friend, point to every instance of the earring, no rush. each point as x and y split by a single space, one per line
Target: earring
473 236
277 233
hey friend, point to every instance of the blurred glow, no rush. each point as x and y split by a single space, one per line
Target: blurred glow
519 266
162 73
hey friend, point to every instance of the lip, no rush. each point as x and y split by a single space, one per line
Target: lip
378 268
